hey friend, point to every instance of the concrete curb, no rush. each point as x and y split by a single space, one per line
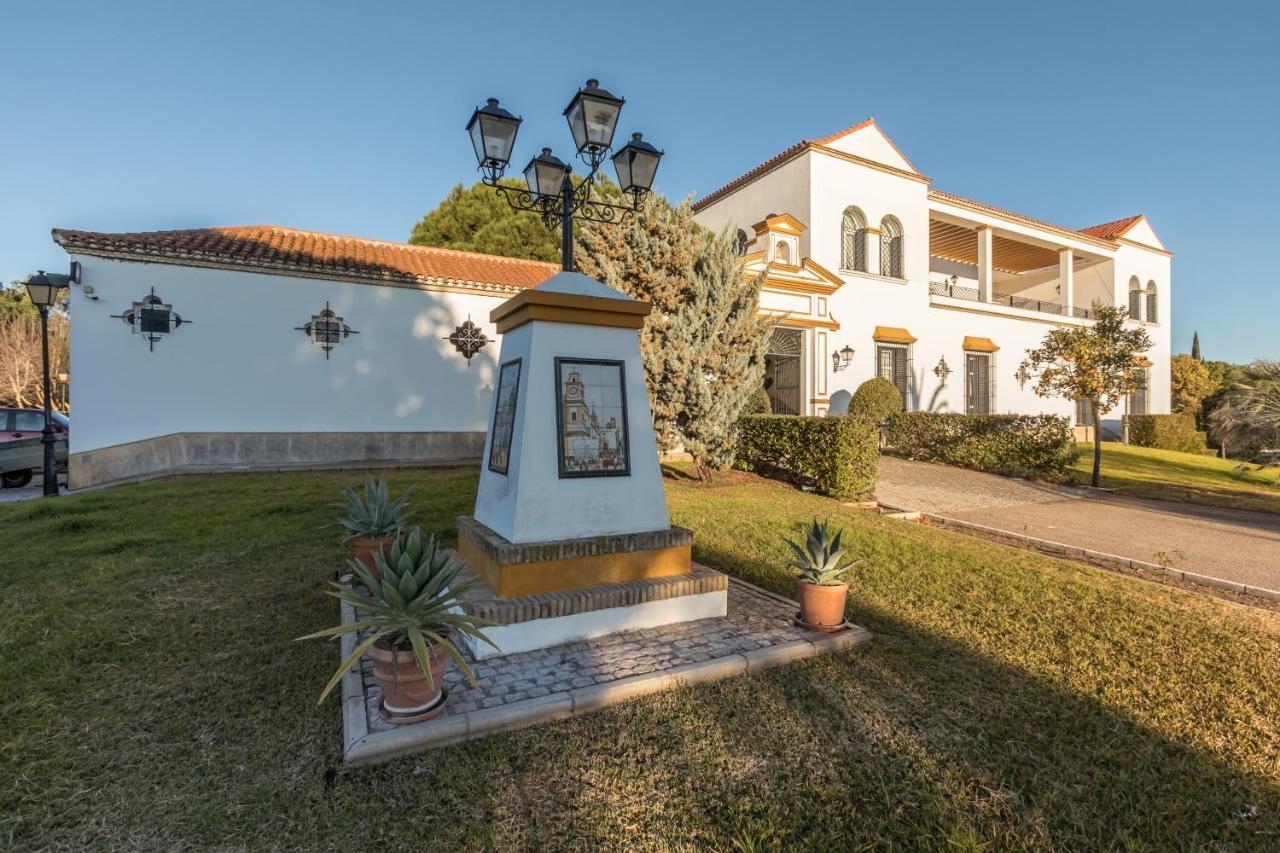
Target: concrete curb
1072 552
362 747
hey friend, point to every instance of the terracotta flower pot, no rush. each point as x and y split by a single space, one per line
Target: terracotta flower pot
406 693
823 605
362 551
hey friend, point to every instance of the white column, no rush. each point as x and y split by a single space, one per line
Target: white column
1067 279
984 263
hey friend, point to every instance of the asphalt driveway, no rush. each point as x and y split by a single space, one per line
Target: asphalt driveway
1235 545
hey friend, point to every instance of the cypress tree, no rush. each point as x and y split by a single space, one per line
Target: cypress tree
703 345
1195 346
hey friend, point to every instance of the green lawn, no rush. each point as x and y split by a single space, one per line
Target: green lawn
1169 475
153 697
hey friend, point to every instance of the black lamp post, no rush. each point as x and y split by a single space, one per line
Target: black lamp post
44 291
593 117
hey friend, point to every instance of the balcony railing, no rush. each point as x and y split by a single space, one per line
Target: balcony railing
972 294
946 288
1026 304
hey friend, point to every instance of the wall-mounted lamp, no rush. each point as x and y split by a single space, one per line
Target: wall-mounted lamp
840 360
942 371
955 279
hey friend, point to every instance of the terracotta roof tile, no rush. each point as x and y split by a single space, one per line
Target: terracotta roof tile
1112 230
311 253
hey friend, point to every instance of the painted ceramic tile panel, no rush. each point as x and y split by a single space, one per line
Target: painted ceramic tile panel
592 415
504 416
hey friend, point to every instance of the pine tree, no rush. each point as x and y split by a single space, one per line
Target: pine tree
479 219
703 345
1195 346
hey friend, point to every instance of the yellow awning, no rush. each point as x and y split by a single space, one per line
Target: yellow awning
892 335
973 344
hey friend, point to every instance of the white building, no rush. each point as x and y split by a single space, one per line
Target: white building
940 294
263 347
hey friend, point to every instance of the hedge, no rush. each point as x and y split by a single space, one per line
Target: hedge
1166 432
835 456
876 400
1023 445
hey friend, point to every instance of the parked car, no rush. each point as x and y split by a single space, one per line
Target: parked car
21 452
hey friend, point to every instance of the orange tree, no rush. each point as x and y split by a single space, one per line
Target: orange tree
1098 363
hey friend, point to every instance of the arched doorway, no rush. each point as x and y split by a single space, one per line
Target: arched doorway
782 371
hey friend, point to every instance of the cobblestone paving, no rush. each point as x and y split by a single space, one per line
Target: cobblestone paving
929 487
755 620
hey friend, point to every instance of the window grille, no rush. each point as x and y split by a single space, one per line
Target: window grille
1153 303
1135 299
893 362
853 240
1137 402
1084 413
782 371
979 384
891 247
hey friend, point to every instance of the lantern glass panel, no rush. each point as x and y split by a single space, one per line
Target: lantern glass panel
644 166
544 177
499 136
42 294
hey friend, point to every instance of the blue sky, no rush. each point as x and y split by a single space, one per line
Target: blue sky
348 117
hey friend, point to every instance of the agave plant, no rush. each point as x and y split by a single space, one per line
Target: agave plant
819 561
414 603
375 515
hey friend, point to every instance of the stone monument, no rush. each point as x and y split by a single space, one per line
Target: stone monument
571 534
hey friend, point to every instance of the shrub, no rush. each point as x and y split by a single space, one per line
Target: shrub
1166 432
758 404
875 401
1024 445
836 456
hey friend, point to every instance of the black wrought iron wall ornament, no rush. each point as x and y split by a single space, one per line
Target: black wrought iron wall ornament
152 318
326 329
1023 376
468 339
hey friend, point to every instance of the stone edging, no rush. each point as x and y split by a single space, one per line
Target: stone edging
361 747
1072 552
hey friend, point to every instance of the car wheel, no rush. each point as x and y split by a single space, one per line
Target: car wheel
15 479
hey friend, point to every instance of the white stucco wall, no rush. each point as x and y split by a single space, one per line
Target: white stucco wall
867 300
784 190
240 366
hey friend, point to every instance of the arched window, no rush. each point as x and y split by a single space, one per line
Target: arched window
891 247
741 242
1153 303
853 240
782 252
1135 298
